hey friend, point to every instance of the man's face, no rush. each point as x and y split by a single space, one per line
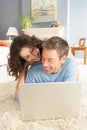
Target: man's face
51 61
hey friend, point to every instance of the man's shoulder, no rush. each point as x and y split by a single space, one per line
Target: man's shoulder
34 73
71 60
36 65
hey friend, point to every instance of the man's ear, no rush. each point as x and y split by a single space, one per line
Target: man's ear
63 58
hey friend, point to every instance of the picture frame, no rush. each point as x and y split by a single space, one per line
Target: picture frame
82 41
43 10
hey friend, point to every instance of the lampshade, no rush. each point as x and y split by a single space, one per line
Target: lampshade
12 31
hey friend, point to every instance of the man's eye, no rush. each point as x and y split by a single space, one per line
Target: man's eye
50 60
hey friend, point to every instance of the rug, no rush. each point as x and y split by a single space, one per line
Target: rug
10 116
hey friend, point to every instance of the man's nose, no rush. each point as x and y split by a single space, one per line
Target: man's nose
45 63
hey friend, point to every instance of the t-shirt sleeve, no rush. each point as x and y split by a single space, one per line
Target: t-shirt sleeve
71 70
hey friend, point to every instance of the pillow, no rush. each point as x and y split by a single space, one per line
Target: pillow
4 43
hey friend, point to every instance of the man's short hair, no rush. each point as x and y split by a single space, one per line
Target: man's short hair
57 43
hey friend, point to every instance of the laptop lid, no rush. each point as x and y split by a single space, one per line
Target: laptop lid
49 100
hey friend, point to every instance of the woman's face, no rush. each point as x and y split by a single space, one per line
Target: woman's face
29 54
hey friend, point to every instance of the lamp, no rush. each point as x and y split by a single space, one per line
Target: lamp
12 31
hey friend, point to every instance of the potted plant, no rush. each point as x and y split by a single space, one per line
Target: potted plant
26 22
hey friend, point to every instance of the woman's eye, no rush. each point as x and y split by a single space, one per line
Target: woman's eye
32 49
27 57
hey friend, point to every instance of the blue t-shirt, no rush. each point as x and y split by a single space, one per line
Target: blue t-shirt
67 73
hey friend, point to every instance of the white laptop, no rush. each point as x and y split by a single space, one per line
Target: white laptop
50 100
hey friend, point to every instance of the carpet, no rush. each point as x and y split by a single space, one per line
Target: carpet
10 116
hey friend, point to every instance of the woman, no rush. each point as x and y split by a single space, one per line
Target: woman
24 51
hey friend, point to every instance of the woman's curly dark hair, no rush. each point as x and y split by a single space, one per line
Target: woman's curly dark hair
15 63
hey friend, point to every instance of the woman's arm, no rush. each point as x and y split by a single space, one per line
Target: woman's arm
21 79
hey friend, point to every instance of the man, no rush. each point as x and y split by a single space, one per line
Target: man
56 65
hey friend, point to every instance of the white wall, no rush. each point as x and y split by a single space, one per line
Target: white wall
78 20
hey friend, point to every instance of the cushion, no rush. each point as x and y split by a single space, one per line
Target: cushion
4 43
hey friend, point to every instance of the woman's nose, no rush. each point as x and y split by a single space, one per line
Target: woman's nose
33 57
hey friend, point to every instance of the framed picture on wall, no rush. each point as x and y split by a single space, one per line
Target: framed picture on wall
82 41
43 10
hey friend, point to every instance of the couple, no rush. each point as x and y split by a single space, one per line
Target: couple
50 60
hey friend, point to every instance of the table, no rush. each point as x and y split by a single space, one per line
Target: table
77 48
